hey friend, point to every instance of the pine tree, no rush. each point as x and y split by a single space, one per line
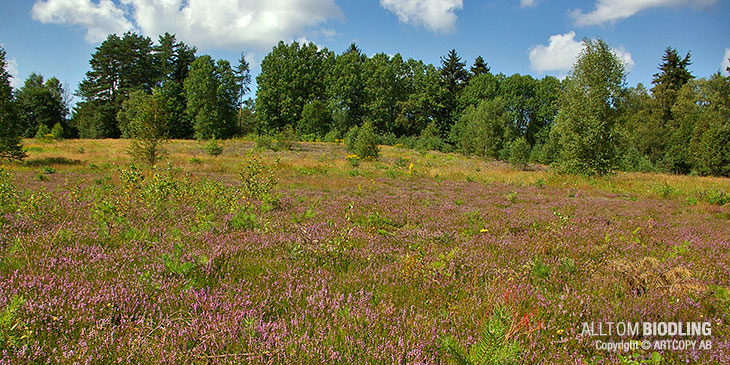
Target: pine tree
454 77
10 141
453 72
672 75
480 67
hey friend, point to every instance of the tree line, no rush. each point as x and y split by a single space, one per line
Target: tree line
591 122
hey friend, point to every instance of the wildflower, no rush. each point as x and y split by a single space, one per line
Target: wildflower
410 169
560 332
483 230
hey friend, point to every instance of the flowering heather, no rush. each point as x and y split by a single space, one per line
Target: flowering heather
302 257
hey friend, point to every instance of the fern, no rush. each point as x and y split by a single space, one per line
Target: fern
494 346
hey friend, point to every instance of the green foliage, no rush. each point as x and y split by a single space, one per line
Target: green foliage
519 153
351 137
292 75
8 193
258 181
316 119
42 133
244 220
213 148
107 85
149 128
480 130
637 358
430 139
11 147
591 106
672 75
286 138
346 89
713 152
57 132
212 93
493 347
14 333
266 142
41 103
539 269
365 144
175 264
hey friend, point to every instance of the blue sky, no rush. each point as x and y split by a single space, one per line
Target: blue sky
536 37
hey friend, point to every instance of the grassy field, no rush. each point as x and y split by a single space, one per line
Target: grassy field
308 256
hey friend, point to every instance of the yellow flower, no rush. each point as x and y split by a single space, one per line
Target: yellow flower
411 167
560 332
483 230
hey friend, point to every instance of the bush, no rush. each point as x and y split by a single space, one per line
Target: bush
258 181
244 221
8 193
316 119
519 153
350 138
57 132
366 143
332 136
286 139
149 129
213 148
430 139
266 142
42 132
388 139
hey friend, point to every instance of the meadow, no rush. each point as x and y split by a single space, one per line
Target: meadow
313 256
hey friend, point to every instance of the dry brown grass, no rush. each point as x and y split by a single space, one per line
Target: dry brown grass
648 275
190 156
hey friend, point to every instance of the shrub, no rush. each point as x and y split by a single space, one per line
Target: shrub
244 220
286 139
258 181
430 139
42 132
8 193
332 136
149 129
57 132
266 142
366 143
519 153
350 138
213 148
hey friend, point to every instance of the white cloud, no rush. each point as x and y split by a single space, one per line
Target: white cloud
435 15
725 62
15 81
625 55
528 3
611 11
559 55
99 19
231 24
562 51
